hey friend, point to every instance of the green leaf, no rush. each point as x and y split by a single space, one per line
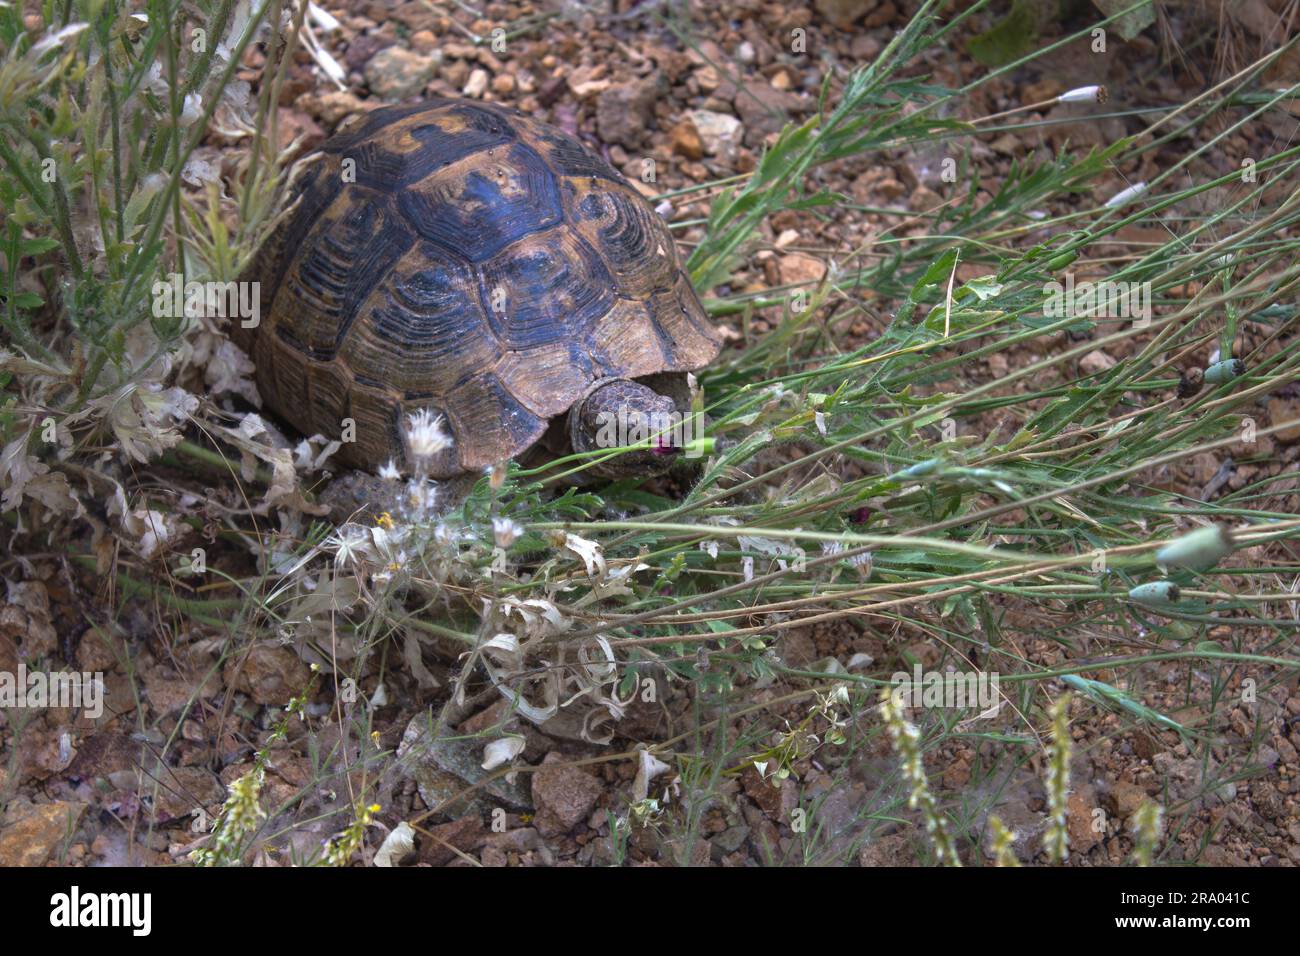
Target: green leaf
926 285
34 247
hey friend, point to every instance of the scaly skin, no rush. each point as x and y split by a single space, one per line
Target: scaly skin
635 405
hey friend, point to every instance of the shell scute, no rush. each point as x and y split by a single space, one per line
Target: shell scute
355 240
480 205
484 410
422 331
546 288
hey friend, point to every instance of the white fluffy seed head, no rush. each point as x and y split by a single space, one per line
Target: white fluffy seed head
425 434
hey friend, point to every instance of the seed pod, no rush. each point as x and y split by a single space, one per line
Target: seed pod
920 469
1225 371
1085 94
1155 593
1201 549
1058 263
1190 382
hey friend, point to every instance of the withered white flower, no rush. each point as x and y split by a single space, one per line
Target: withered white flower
601 666
536 713
388 544
59 38
504 642
327 23
226 369
23 475
349 544
506 531
154 80
306 458
151 529
588 551
193 109
143 417
860 661
594 719
18 468
648 767
541 618
398 844
421 497
500 752
616 582
425 434
861 562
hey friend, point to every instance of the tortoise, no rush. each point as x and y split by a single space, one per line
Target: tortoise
464 260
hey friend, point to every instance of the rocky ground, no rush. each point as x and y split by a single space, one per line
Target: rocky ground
699 98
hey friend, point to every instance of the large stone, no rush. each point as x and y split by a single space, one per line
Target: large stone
34 834
270 675
1125 798
719 133
686 141
765 109
564 796
177 792
799 268
843 13
445 770
395 73
623 112
1079 820
1282 411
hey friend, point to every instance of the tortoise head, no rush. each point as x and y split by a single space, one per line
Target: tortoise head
618 412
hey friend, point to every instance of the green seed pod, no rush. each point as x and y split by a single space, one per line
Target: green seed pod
920 469
1155 593
1060 262
1225 371
1201 549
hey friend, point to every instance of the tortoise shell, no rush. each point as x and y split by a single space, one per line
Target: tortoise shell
466 259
